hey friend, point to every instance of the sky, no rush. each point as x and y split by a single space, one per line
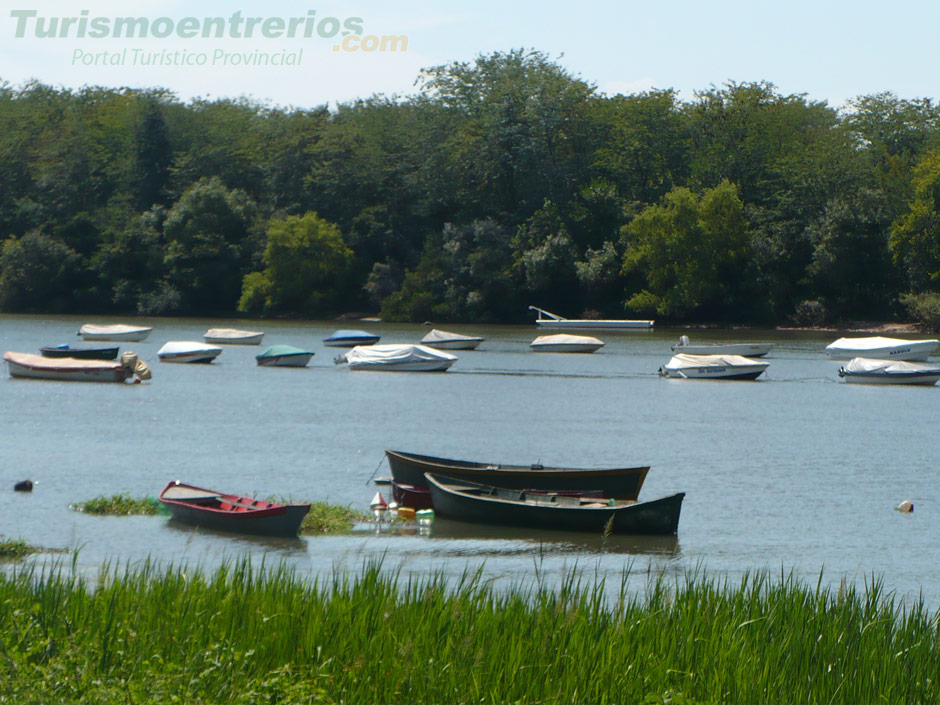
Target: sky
831 51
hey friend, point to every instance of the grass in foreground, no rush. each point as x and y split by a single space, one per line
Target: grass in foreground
243 635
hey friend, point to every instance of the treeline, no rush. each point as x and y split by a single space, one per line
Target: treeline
499 183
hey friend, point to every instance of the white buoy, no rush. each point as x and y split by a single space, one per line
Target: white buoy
906 506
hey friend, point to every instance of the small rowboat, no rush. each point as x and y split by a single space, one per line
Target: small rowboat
743 349
880 348
485 504
284 356
230 512
865 371
564 343
232 336
84 352
118 331
621 483
188 351
444 340
350 338
67 369
396 358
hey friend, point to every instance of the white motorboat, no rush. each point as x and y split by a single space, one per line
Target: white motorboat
396 358
188 351
69 369
743 349
547 319
870 371
444 340
350 338
562 342
284 356
879 348
684 366
118 331
232 336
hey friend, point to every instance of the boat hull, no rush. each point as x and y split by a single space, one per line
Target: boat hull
193 357
454 344
729 373
214 337
64 369
292 360
129 335
209 511
921 378
893 349
476 503
97 353
567 347
743 349
619 483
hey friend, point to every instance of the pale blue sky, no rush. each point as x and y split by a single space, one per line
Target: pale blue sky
832 51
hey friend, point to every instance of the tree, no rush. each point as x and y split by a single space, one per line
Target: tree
306 263
685 250
208 246
38 274
915 237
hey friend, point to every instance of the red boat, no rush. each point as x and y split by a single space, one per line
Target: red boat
229 512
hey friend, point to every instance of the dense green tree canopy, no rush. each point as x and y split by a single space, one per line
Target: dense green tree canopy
502 182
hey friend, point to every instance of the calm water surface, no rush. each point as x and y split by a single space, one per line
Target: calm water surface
796 472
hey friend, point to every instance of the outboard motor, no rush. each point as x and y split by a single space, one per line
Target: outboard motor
683 340
135 366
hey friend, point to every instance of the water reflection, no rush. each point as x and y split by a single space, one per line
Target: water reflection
479 539
284 545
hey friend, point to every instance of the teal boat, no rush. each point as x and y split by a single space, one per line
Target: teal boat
284 356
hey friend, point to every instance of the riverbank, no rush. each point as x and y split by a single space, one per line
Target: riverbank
241 635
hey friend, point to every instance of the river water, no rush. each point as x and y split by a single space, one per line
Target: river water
797 472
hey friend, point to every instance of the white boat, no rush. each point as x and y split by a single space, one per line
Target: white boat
118 331
69 369
444 340
743 349
551 320
188 351
233 336
868 371
396 358
685 366
881 348
284 356
562 342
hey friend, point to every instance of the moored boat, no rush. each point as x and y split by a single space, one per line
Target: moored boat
743 349
117 332
67 369
729 367
444 340
188 351
397 358
84 352
881 348
547 319
565 343
232 336
619 483
872 371
474 502
230 512
350 338
284 356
